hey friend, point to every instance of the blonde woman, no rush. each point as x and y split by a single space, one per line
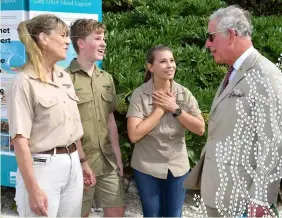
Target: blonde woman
45 125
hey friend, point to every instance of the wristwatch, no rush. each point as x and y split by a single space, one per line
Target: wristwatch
177 112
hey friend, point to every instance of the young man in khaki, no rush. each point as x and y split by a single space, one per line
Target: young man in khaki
97 97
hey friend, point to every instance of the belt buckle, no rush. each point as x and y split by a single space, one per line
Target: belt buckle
67 147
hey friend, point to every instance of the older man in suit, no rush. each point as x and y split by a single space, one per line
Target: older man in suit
240 165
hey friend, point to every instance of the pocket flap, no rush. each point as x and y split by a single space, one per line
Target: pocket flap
84 98
50 102
147 110
180 97
73 96
107 97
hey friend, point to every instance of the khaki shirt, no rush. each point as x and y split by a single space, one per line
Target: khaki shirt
44 113
96 101
164 147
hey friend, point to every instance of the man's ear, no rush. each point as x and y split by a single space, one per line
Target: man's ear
232 35
80 43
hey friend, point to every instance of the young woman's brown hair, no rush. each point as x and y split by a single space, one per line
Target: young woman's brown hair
150 59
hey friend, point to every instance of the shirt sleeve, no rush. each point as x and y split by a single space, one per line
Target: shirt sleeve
193 106
135 107
19 109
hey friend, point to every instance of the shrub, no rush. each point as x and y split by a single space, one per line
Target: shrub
116 5
279 64
180 24
267 36
260 7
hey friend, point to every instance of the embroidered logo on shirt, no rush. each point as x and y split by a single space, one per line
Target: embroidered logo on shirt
67 85
180 103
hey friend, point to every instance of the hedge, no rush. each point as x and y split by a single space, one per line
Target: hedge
182 25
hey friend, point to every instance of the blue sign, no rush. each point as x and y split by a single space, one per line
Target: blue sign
13 55
13 5
8 169
68 6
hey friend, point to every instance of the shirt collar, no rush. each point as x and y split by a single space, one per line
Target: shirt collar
57 73
242 58
75 68
148 87
74 65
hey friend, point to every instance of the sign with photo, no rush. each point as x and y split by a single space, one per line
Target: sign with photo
13 55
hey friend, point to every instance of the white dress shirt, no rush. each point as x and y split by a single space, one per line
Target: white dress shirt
239 61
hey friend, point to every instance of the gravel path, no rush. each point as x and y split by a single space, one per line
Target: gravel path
133 207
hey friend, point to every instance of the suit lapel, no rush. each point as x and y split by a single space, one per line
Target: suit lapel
238 77
240 74
217 95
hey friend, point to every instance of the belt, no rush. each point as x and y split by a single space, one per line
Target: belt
61 150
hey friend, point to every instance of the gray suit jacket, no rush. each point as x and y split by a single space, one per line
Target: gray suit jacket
241 158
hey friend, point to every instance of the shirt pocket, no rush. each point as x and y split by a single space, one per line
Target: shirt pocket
73 99
180 101
73 96
49 112
148 109
107 102
176 128
48 102
85 106
147 105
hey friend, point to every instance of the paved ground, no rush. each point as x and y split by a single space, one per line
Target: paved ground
133 207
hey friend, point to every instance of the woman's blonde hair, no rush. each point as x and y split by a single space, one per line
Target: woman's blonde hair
28 33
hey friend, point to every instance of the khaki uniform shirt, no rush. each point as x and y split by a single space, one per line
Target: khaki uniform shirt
44 113
96 101
164 147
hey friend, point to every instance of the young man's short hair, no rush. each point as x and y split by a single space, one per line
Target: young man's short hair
84 27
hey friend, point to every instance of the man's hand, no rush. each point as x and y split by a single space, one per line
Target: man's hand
89 178
38 202
120 168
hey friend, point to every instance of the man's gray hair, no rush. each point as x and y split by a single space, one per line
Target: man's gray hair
233 17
